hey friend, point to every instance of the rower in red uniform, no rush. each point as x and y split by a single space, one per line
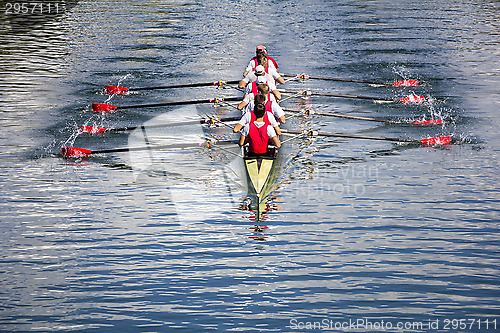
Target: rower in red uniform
257 77
261 56
267 63
258 133
247 104
249 117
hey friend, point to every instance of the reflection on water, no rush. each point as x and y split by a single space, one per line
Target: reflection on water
29 61
22 17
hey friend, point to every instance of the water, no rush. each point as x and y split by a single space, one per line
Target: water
362 231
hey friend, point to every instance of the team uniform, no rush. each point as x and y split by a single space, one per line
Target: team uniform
271 76
271 105
249 102
258 134
248 117
251 86
271 65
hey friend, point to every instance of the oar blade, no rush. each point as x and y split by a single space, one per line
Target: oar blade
412 99
101 107
440 140
406 83
428 122
73 152
115 90
92 129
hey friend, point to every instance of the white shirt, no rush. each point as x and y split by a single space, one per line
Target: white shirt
251 65
270 130
271 84
250 98
247 118
270 77
276 109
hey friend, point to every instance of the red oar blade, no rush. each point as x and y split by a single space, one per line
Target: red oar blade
69 152
412 99
440 140
406 83
101 107
115 90
428 122
92 129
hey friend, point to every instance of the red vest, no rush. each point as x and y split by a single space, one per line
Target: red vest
258 138
267 67
254 88
269 104
255 91
265 118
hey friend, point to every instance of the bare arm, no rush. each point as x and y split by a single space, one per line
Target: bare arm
276 141
280 80
278 130
277 94
242 105
242 140
237 128
242 84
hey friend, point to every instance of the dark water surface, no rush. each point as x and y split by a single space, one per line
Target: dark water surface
370 232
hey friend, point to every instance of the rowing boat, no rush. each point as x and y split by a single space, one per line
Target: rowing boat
257 175
262 172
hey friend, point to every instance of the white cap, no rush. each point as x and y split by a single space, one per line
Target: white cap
260 69
261 79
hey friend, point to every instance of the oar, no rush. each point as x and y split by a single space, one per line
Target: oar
110 90
101 107
406 83
74 152
95 129
442 140
409 99
339 115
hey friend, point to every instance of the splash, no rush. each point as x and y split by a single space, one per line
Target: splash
96 120
111 96
402 72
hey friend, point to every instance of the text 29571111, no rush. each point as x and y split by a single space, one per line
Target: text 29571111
33 8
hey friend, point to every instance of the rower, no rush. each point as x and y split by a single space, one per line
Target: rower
271 75
258 133
261 56
256 78
269 64
247 104
248 117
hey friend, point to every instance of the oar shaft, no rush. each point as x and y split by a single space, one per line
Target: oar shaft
188 85
175 103
121 150
339 115
336 79
339 95
155 147
352 136
191 122
354 96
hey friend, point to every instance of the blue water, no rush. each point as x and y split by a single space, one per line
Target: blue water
367 232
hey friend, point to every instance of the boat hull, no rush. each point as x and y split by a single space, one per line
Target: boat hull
262 174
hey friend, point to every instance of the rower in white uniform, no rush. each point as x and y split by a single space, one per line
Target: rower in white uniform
248 116
257 77
247 104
